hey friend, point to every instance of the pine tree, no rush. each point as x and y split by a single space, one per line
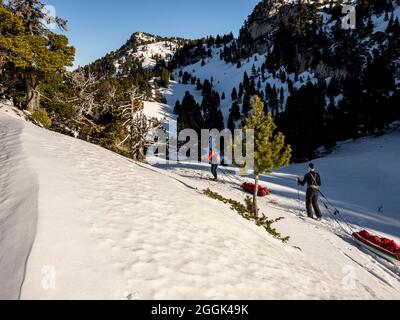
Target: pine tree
253 71
186 78
177 108
386 18
210 107
234 94
235 111
302 122
207 89
190 116
246 107
246 82
223 97
270 150
199 85
231 124
164 77
33 51
241 91
273 102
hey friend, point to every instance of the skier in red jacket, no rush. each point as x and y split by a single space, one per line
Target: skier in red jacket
215 160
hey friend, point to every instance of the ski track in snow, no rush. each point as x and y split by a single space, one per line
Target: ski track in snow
109 228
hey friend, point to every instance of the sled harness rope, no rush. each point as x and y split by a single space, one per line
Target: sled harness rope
334 212
231 177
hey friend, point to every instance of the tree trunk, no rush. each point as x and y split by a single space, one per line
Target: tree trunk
255 195
32 99
131 147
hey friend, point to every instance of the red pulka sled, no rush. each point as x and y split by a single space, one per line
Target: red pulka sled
385 248
249 187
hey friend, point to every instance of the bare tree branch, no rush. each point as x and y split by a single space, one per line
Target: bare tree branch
138 124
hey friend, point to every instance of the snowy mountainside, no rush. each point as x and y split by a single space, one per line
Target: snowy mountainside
306 66
141 52
149 49
155 238
297 56
227 75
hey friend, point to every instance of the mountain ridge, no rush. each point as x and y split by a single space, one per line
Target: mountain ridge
297 57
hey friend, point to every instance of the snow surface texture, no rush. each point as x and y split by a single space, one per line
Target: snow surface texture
18 208
110 228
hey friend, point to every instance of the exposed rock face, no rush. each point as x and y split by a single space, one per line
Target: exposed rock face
264 21
266 18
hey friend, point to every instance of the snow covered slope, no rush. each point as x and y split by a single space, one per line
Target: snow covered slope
110 228
18 207
147 50
227 76
162 49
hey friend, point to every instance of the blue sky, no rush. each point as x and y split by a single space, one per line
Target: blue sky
99 26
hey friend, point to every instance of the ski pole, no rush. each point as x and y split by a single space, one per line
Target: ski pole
335 212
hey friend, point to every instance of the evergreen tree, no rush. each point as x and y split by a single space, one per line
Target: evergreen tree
253 71
378 82
207 89
246 82
241 91
231 124
270 149
234 94
164 78
302 122
186 78
246 107
235 111
252 88
33 51
190 116
177 108
210 106
199 85
273 101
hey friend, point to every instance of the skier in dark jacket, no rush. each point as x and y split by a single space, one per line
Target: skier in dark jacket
313 180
